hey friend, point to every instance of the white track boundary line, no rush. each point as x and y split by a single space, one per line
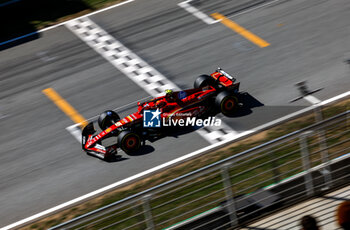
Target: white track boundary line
204 17
63 23
312 99
167 164
75 130
197 13
86 15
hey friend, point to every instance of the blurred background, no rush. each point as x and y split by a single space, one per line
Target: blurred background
290 56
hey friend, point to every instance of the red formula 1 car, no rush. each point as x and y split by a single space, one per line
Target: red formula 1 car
217 92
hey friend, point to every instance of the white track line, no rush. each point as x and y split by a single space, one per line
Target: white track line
63 23
167 164
209 20
197 13
75 130
87 15
136 69
312 99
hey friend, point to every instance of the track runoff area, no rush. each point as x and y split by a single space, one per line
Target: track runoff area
153 83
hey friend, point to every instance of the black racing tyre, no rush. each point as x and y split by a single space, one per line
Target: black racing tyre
203 80
107 119
227 103
129 142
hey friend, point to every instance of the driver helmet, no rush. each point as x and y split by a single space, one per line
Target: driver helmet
169 92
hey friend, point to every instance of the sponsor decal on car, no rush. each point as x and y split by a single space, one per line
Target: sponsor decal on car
181 95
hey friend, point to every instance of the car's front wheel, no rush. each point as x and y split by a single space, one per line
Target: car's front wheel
129 142
107 119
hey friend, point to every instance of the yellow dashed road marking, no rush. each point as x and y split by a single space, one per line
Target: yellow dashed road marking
240 30
65 107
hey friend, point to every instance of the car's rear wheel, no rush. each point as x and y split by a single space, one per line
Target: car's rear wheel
227 103
107 119
129 142
203 80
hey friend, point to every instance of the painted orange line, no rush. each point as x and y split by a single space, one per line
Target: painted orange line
65 107
240 30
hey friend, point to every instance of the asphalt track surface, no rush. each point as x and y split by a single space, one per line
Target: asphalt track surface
42 165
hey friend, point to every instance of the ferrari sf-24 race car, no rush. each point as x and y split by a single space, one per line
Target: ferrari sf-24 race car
216 92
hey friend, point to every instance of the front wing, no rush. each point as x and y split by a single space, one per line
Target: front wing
96 149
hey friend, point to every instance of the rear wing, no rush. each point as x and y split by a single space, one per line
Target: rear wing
219 70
